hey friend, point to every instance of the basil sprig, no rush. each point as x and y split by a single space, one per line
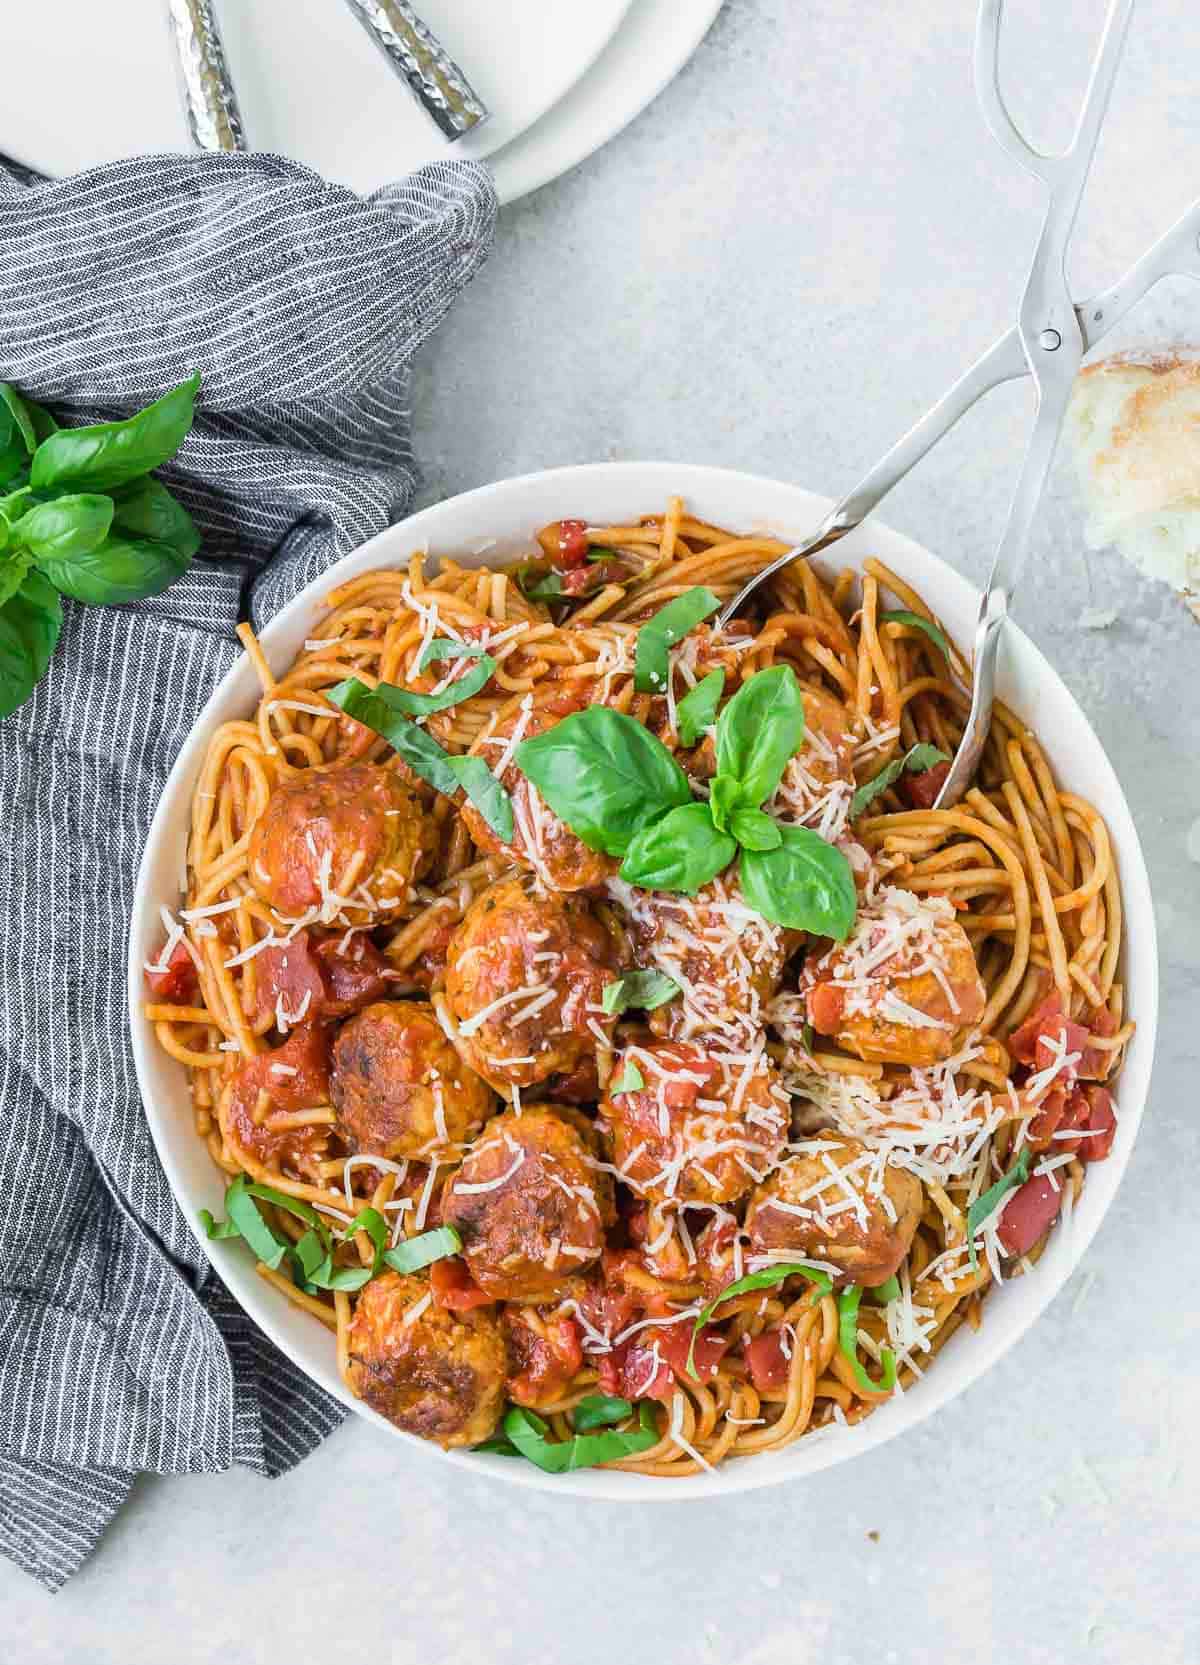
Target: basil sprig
659 635
380 710
848 1304
621 791
525 1436
984 1205
697 710
80 516
766 1278
643 990
916 760
311 1256
917 621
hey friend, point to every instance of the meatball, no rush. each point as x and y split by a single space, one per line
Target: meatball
726 958
432 1372
399 1087
525 973
904 988
701 1130
265 1094
530 1204
345 842
541 842
818 783
805 1208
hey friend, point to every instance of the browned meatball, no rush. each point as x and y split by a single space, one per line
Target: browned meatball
525 973
347 841
805 1208
726 958
541 842
399 1087
432 1372
904 988
701 1130
529 1203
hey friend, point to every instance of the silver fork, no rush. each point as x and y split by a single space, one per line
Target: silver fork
1049 342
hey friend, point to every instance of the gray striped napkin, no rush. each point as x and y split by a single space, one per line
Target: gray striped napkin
301 304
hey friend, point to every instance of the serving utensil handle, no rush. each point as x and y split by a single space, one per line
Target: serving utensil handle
421 61
209 101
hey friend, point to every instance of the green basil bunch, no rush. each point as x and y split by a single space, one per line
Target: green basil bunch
81 516
621 791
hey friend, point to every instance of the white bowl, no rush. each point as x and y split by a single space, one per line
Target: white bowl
608 493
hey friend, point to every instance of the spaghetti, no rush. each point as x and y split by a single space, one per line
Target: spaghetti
906 1112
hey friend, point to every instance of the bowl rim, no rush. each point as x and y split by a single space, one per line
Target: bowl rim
267 1307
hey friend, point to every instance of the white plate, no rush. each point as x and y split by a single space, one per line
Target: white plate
607 493
87 83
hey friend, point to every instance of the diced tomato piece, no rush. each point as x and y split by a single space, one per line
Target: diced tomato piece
1101 1124
1049 1118
289 980
542 1367
177 981
825 1004
674 1343
454 1287
766 1361
1038 1040
635 1371
920 790
353 974
1029 1214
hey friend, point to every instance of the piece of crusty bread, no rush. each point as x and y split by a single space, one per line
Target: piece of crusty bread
1134 428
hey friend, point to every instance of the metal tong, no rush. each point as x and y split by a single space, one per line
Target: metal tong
1051 337
410 47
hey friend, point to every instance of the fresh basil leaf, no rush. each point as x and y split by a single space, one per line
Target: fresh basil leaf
528 1431
724 796
641 990
917 621
408 704
767 1278
920 757
754 830
120 569
499 1447
14 459
984 1205
146 509
536 584
681 852
12 505
630 1080
65 528
885 1292
214 1228
311 1252
13 569
759 731
848 1302
486 793
605 775
659 635
697 710
109 454
421 1251
30 621
805 884
417 747
21 417
43 423
443 648
244 1213
599 1410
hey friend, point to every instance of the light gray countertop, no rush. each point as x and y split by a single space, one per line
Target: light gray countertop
777 268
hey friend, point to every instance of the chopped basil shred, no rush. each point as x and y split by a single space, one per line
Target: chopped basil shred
697 710
885 1292
409 704
900 615
631 1080
536 584
599 1410
641 989
848 1304
423 1250
766 1278
443 648
916 760
445 773
984 1205
527 1432
310 1258
659 635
